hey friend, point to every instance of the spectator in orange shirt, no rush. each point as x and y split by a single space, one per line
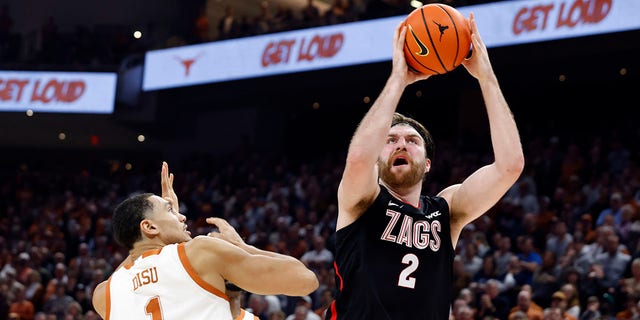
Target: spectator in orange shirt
22 307
526 305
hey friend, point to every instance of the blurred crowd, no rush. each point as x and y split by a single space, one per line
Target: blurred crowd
276 18
563 239
107 46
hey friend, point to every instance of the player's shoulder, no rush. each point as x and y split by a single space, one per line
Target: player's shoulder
448 192
99 298
204 245
198 242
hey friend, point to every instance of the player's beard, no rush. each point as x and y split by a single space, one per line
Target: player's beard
405 179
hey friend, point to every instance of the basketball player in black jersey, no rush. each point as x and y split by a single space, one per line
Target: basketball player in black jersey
395 246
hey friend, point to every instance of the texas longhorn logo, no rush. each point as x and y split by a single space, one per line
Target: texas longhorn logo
188 62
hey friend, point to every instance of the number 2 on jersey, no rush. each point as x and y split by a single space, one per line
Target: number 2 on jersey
405 279
153 308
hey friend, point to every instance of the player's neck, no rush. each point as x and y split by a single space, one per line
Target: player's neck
141 247
410 195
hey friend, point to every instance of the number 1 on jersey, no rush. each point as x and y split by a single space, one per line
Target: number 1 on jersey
153 308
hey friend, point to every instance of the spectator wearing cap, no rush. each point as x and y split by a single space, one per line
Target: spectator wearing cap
559 302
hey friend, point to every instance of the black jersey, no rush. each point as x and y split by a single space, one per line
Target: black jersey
395 262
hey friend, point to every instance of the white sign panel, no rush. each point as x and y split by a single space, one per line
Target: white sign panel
517 22
308 49
500 24
65 92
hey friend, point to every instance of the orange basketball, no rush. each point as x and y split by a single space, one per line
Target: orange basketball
437 40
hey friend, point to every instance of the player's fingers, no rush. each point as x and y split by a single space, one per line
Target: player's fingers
219 222
401 36
211 220
397 30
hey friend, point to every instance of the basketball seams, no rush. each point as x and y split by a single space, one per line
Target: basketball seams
455 28
433 45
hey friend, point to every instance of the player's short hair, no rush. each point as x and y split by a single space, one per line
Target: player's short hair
127 217
429 145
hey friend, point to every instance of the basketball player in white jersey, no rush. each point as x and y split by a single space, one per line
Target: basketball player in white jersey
169 275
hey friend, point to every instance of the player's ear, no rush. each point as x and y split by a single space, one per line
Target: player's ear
427 165
148 228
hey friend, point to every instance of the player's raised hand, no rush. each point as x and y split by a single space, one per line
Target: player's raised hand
166 181
224 231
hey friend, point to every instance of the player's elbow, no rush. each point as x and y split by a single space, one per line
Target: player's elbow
516 165
312 283
513 166
291 280
307 284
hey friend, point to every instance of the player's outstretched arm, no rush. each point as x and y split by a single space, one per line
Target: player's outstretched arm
473 198
359 184
252 269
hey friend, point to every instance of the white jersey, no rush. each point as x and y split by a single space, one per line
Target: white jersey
246 315
162 285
